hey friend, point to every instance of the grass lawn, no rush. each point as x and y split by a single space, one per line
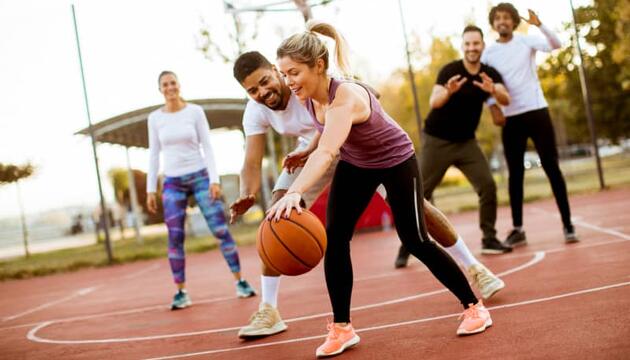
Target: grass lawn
580 176
124 251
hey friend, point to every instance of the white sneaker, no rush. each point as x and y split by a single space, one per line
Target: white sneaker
266 321
484 280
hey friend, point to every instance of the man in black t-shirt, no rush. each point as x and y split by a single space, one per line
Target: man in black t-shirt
456 102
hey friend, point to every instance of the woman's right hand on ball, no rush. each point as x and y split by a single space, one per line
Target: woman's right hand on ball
283 207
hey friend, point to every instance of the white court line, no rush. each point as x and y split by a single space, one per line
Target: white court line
141 272
114 313
577 221
78 293
404 323
33 337
391 273
623 237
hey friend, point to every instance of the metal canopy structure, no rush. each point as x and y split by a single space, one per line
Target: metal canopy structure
130 129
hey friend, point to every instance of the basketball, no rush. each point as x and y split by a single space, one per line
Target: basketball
292 246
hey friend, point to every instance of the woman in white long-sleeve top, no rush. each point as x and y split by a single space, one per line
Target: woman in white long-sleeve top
179 130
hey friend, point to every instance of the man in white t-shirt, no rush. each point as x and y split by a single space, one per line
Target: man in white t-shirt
273 105
527 116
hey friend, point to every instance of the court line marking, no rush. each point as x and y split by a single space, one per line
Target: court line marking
114 313
539 256
398 324
579 222
80 292
141 272
619 234
415 270
623 237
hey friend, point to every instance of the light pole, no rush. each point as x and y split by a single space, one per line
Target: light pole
586 97
104 214
412 79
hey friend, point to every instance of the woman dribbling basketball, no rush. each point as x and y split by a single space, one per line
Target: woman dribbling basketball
374 150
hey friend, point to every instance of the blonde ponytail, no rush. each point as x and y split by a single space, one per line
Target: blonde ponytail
306 47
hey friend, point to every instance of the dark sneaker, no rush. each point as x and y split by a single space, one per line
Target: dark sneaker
181 300
570 236
516 238
402 258
491 246
244 290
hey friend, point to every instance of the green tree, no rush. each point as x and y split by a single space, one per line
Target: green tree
120 181
13 174
621 47
606 70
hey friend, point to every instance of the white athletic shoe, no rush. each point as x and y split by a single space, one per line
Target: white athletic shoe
266 321
484 280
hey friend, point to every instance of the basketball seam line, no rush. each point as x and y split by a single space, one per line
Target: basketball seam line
287 248
314 238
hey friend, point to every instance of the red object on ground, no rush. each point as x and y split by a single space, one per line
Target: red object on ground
376 215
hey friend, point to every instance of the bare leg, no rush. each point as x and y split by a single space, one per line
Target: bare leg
438 226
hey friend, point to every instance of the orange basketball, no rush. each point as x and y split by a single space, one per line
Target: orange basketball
292 246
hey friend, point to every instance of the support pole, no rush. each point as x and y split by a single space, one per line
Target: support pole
133 194
104 213
412 79
586 98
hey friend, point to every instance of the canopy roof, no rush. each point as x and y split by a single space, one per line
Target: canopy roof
130 129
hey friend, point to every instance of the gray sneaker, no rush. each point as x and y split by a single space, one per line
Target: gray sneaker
244 290
181 300
266 321
516 238
570 236
484 280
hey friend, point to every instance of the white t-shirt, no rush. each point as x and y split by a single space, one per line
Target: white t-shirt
516 62
293 121
180 136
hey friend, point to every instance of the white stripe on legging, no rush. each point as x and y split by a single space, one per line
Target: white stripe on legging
415 203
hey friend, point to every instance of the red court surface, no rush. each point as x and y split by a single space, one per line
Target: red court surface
561 301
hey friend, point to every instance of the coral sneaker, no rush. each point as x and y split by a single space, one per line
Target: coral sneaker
339 339
476 320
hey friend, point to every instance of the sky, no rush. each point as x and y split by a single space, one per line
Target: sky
125 44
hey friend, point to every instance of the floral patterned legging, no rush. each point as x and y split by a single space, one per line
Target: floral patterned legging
175 195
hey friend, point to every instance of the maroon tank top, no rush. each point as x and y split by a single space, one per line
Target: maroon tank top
377 143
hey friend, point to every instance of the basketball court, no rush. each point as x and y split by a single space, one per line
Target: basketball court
560 301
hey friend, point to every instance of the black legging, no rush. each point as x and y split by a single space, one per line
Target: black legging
351 190
537 125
